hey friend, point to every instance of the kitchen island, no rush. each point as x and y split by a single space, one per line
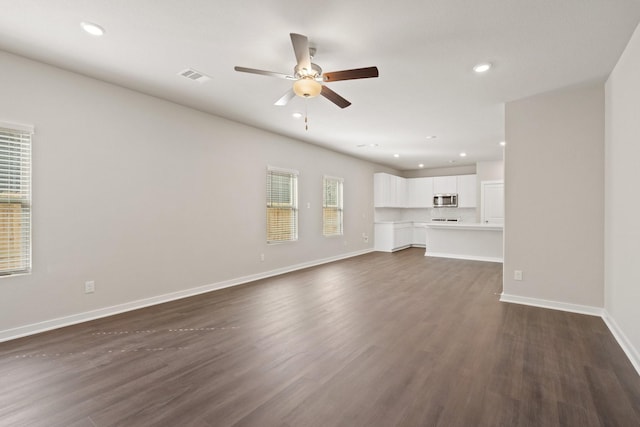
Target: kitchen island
473 241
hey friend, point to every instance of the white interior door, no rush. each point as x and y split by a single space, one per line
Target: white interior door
492 200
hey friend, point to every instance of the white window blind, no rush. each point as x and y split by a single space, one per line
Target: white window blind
282 205
332 206
15 199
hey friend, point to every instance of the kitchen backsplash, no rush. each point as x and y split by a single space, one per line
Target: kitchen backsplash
424 215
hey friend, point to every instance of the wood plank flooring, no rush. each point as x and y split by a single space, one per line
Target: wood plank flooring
377 340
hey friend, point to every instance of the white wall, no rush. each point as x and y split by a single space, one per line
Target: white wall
149 198
453 170
490 171
554 188
622 177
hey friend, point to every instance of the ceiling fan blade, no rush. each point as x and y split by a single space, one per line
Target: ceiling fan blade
263 72
301 49
334 97
285 98
357 73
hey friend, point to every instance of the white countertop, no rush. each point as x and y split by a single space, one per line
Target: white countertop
466 226
397 222
448 225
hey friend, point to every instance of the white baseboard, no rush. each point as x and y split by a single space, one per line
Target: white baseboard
47 325
400 248
467 257
554 305
632 353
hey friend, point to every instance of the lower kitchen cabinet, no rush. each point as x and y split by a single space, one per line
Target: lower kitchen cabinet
419 234
394 236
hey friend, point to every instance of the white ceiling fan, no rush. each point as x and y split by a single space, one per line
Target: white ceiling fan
308 77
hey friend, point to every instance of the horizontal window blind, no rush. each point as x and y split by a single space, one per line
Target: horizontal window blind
282 205
15 200
332 210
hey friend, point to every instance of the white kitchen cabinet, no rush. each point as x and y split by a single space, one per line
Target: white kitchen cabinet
392 191
381 188
420 192
466 191
389 191
394 236
400 199
402 235
383 237
419 234
445 184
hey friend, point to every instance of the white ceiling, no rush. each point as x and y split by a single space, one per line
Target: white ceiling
424 50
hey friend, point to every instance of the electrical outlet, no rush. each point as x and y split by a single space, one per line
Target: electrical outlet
89 287
517 275
261 257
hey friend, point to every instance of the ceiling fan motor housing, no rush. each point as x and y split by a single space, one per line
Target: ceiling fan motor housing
315 72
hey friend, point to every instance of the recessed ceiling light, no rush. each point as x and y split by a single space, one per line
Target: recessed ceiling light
503 143
296 115
93 29
420 165
396 155
373 145
463 154
482 67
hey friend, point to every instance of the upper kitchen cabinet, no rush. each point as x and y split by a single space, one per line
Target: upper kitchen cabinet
445 184
420 192
466 191
392 191
389 191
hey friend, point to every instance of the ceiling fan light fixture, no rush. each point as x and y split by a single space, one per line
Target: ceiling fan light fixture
307 87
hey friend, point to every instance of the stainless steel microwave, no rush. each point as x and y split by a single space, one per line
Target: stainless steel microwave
445 200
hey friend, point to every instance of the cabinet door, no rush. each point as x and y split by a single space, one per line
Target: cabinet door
389 191
467 191
420 192
400 196
445 184
419 235
383 237
382 190
402 235
492 195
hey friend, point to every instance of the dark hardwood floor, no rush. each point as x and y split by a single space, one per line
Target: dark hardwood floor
377 340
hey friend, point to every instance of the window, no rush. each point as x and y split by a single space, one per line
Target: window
15 199
332 206
282 205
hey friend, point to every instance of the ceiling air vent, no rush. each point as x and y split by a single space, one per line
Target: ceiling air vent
194 75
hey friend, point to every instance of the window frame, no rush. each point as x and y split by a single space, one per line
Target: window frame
337 207
16 160
288 202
